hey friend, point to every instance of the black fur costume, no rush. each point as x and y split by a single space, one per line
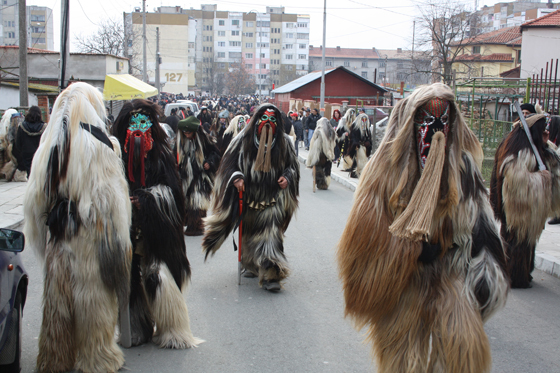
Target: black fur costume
321 153
197 182
267 209
160 268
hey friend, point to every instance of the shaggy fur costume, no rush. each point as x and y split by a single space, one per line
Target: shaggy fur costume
267 209
235 127
343 139
321 153
524 197
197 182
8 157
423 294
77 218
160 268
360 144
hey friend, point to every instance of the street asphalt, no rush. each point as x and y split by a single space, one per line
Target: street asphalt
302 328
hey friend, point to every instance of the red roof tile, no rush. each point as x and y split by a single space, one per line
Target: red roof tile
497 57
507 36
29 50
550 19
513 73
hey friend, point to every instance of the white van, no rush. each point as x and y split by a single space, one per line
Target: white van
181 103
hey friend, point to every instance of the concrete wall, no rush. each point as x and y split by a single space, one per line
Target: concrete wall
538 47
9 97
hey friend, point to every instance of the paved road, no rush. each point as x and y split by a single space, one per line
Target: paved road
302 329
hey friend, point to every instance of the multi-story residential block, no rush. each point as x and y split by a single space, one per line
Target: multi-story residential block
272 46
381 66
40 31
508 14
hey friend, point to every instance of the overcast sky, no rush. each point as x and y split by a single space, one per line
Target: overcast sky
384 24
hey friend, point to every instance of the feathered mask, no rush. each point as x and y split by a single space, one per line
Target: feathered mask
138 143
264 139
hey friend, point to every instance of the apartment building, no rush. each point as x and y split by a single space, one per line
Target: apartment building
385 67
514 13
272 46
40 29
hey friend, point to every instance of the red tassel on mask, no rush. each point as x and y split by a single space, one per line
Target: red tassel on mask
146 143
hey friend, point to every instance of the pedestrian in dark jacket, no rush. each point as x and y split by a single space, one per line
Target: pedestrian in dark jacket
311 125
172 120
28 138
298 129
204 116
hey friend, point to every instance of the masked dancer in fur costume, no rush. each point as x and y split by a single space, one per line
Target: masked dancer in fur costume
160 269
524 197
198 159
219 128
342 138
235 127
321 153
10 127
359 144
77 218
421 259
261 160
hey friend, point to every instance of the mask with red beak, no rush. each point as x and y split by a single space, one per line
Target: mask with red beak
138 143
265 132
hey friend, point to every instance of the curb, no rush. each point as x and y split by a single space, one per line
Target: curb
543 261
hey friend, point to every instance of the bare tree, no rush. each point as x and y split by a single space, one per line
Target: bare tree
445 29
213 74
239 81
109 39
287 74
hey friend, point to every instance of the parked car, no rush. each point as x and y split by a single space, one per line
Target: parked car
13 293
380 114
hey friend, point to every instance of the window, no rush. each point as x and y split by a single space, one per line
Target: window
290 67
290 25
276 51
249 24
263 45
364 63
275 41
289 46
275 30
234 54
208 28
364 74
234 43
263 34
191 45
235 22
302 36
248 45
263 23
221 65
37 30
400 65
248 34
221 44
382 64
302 46
207 49
221 22
328 63
302 24
38 40
221 54
207 38
346 63
249 55
303 67
235 33
11 35
221 33
37 18
290 35
476 50
401 76
275 72
248 65
302 57
262 76
289 56
381 76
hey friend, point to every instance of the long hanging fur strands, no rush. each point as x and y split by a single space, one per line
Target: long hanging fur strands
263 162
415 222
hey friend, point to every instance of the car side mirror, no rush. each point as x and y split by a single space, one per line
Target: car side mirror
11 240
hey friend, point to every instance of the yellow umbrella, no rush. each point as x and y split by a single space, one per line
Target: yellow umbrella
126 87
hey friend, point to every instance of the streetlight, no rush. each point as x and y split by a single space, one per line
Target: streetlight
260 52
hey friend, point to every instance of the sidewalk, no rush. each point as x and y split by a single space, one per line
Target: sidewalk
548 249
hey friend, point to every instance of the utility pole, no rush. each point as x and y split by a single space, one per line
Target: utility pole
158 60
64 50
322 105
145 61
23 91
260 56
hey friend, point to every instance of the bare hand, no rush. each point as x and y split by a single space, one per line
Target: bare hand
239 184
206 166
135 202
283 182
545 136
